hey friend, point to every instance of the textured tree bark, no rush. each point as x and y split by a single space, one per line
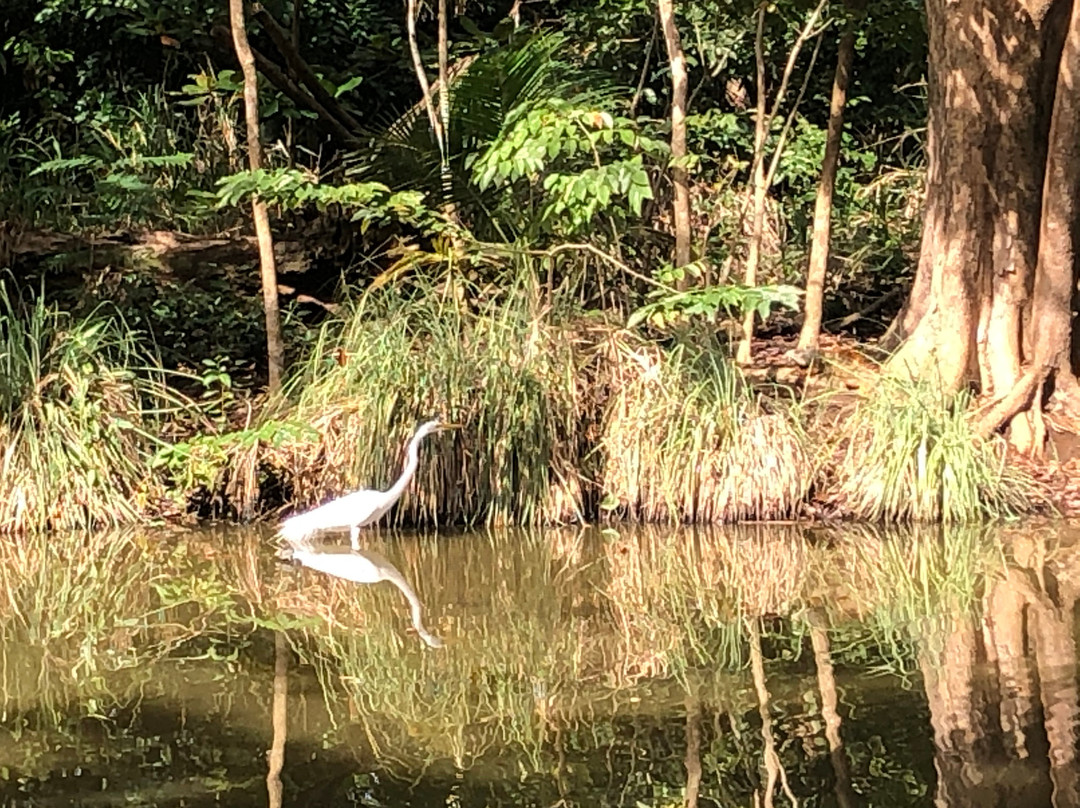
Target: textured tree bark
989 114
819 245
679 175
274 345
1046 343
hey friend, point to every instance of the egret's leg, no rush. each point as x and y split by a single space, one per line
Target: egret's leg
354 536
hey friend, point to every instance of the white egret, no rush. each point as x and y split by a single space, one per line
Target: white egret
359 508
364 567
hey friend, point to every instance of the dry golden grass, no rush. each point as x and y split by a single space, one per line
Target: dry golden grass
683 440
558 412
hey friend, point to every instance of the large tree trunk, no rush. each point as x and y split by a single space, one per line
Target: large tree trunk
819 244
274 345
681 208
990 91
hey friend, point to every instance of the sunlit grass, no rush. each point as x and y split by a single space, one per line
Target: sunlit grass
563 412
494 365
685 441
75 417
911 454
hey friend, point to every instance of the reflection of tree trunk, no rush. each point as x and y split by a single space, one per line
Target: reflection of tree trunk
1006 616
819 637
1055 656
773 769
276 757
956 715
693 748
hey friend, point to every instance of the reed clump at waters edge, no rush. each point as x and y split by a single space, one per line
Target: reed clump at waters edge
910 453
565 415
568 416
76 415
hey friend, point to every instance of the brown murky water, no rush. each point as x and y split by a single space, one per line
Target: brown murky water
640 668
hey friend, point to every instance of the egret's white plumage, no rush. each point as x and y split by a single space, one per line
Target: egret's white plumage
359 508
364 567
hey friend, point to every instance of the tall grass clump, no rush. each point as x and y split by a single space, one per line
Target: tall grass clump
562 412
74 445
684 439
494 364
911 454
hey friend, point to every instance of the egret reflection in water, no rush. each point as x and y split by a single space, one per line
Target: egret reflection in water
362 567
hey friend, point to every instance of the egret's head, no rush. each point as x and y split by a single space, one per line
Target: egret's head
434 425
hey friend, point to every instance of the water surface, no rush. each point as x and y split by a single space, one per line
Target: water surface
623 667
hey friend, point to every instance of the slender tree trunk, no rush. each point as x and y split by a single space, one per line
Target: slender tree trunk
763 178
819 245
753 255
679 174
274 344
411 11
449 208
444 71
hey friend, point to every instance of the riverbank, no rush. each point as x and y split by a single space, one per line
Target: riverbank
568 415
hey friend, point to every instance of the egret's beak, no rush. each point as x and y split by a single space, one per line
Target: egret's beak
451 426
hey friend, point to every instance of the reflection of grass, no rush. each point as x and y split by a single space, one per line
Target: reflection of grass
538 635
544 629
679 599
909 586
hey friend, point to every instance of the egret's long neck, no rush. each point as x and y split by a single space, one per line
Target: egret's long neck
397 579
412 460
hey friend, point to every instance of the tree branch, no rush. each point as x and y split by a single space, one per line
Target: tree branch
280 37
276 76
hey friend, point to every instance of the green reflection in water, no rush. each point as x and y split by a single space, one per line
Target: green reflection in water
581 665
